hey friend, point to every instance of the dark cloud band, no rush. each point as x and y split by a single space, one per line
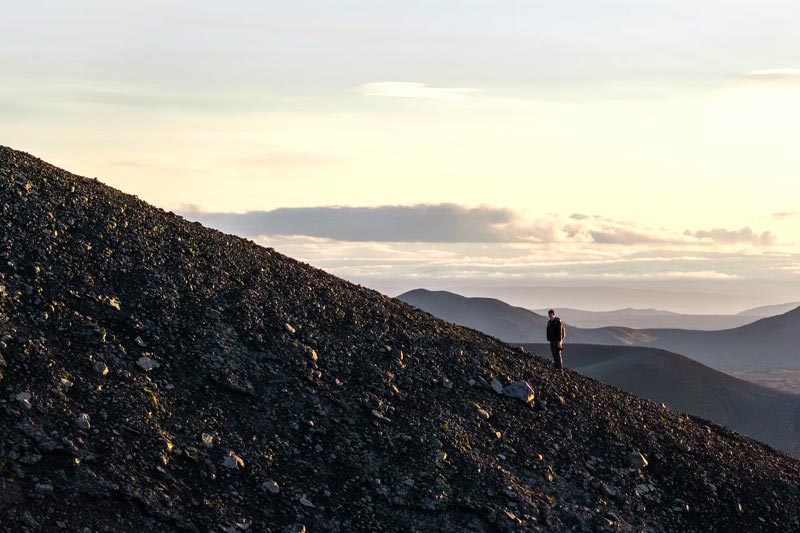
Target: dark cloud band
452 223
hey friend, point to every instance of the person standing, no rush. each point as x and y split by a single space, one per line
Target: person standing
556 333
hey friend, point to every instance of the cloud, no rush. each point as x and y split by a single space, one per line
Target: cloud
775 74
743 236
785 214
417 223
452 223
405 89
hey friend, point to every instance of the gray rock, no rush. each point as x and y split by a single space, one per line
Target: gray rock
520 390
232 461
271 487
295 528
496 386
82 422
377 414
30 458
637 460
146 364
305 502
608 490
44 488
101 368
24 400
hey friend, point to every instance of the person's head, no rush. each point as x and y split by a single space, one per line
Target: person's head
551 313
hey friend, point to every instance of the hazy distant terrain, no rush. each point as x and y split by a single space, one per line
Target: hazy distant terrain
785 380
687 298
508 323
650 318
767 344
769 310
759 412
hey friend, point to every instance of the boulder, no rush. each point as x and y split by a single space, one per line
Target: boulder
520 390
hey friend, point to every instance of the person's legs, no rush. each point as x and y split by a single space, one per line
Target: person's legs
555 349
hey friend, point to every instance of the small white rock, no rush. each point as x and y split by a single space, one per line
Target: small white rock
82 422
146 364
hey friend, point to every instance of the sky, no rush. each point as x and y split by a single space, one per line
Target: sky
473 145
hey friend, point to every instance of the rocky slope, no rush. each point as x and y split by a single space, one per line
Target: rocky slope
160 376
767 415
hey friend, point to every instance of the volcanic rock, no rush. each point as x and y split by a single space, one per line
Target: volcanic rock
69 246
520 390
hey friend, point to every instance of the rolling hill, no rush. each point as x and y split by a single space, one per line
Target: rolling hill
769 310
162 376
508 323
768 343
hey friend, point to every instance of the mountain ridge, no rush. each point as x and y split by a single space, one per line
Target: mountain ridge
766 343
162 376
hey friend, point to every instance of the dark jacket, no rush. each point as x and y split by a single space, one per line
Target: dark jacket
555 330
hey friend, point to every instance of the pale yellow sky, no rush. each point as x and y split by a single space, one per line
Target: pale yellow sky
718 157
659 137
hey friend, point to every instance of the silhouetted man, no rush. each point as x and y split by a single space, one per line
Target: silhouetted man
556 333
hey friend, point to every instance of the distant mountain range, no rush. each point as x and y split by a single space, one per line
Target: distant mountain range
654 318
769 310
764 414
507 323
768 343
